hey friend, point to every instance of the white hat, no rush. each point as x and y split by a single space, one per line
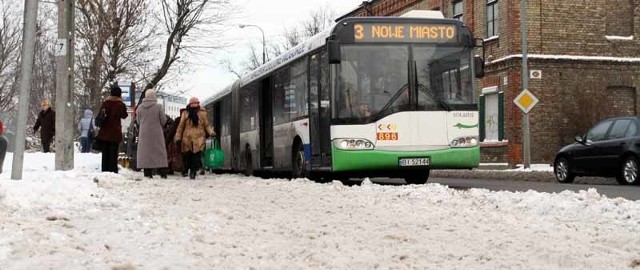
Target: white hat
150 94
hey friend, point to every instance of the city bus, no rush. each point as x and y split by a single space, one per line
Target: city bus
368 97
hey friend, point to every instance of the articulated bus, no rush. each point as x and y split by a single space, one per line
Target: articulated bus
369 97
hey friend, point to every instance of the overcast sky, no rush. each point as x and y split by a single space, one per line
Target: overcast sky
273 16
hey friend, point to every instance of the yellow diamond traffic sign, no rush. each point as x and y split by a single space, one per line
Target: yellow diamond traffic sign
525 101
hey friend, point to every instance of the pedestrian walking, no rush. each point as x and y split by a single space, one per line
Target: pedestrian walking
46 122
3 145
152 151
110 133
87 129
192 131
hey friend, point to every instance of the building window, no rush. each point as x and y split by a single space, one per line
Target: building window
492 18
620 18
458 10
491 111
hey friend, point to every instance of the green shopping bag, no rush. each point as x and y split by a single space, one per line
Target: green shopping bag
214 156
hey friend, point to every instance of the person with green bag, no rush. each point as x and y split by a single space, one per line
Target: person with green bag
192 131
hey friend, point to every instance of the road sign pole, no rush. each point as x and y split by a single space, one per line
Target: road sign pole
65 117
525 85
26 68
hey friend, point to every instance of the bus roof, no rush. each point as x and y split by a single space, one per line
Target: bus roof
303 48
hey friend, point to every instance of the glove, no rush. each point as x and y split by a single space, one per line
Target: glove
178 142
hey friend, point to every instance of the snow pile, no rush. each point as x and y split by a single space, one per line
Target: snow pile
65 220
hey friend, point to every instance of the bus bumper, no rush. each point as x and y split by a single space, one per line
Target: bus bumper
453 158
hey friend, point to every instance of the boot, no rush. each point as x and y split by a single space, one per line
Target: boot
185 172
147 173
163 173
192 174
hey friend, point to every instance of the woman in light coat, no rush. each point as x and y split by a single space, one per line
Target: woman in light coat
85 125
152 153
192 131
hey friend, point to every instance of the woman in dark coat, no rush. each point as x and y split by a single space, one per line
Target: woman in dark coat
3 145
110 134
152 151
46 122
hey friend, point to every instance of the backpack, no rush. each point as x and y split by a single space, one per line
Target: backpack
101 117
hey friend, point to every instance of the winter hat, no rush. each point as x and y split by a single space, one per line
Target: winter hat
116 91
150 94
194 100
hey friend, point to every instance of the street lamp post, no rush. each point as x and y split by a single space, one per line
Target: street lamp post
264 51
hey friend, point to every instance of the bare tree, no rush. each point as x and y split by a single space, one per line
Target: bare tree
182 20
113 40
10 44
43 83
318 21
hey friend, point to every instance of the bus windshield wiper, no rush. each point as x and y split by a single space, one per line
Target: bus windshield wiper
392 100
429 92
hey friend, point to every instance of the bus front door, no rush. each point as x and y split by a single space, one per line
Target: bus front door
319 113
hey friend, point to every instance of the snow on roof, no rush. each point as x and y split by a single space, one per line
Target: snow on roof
569 57
619 37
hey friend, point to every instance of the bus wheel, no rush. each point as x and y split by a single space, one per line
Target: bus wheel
418 177
248 165
298 170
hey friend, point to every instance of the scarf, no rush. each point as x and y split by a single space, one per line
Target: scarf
193 114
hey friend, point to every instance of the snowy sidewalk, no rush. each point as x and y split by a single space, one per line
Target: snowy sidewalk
83 219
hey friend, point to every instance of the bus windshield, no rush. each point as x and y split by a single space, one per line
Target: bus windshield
374 80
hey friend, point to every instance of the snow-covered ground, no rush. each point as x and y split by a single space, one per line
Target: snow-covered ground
84 219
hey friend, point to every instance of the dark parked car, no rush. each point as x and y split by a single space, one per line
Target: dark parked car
611 148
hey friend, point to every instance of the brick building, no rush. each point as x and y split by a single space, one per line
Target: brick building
583 59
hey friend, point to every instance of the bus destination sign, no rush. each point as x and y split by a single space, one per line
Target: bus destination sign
404 32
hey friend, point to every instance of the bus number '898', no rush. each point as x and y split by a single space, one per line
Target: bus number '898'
387 136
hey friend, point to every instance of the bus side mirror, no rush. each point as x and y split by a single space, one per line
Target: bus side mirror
333 47
478 66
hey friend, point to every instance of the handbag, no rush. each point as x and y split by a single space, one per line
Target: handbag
214 156
91 134
97 145
101 117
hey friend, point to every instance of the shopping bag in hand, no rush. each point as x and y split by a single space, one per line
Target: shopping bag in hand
214 156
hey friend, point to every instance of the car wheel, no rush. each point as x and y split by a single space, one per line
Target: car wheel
562 170
629 172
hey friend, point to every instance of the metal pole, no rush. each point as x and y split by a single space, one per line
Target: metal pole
526 136
26 68
64 86
264 50
264 43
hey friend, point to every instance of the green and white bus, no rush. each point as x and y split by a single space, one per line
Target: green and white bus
369 97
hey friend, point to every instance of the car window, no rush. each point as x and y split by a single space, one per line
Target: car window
618 129
632 131
598 132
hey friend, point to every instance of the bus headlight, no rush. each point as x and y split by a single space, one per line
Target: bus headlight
468 141
353 144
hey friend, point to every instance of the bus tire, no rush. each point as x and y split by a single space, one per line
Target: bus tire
248 165
418 177
298 161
